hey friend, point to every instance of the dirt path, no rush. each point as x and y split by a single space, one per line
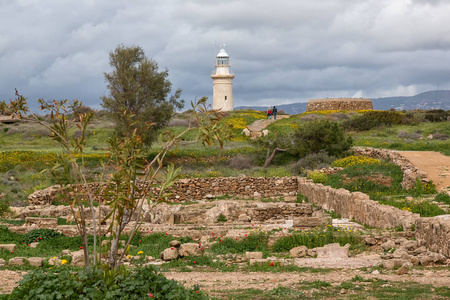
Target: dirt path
213 281
210 281
261 124
435 164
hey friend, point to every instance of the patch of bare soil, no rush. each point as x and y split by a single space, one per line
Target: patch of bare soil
214 281
211 281
436 165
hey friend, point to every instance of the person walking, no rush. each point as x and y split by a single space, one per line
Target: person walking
274 112
269 112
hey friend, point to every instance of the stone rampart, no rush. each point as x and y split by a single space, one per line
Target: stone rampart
339 104
410 172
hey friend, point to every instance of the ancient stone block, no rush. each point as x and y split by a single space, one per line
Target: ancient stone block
8 247
35 261
253 255
16 261
169 254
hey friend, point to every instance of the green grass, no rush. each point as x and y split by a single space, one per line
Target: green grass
417 206
251 242
318 238
373 179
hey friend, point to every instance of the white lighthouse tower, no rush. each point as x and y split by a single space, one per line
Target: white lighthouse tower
222 82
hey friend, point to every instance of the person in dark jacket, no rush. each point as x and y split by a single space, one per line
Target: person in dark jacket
274 112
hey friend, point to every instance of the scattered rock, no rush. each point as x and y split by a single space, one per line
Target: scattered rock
175 244
298 251
189 249
169 254
388 245
78 258
402 271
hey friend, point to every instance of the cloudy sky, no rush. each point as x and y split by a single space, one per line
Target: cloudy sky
281 51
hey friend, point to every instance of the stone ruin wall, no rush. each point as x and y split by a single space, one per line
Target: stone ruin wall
339 104
434 233
356 206
198 188
410 172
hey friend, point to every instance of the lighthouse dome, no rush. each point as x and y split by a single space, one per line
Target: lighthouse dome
222 53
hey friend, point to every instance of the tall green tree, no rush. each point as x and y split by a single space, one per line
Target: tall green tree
139 94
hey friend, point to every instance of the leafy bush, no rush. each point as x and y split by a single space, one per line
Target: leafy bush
40 234
320 135
313 161
222 218
4 207
240 162
142 283
318 177
420 188
355 160
7 236
373 119
437 115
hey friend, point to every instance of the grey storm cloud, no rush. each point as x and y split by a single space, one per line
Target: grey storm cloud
281 51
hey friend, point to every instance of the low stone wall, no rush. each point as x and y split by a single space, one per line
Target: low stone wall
339 104
410 172
356 206
434 233
199 188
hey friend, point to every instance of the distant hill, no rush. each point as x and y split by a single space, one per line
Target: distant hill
425 100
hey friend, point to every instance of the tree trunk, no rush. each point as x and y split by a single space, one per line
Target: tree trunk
269 157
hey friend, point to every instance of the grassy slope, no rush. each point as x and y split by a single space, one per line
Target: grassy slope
196 159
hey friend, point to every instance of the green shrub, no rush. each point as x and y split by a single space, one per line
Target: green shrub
40 234
320 135
420 188
141 283
373 119
7 236
318 177
437 115
313 161
222 218
4 207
